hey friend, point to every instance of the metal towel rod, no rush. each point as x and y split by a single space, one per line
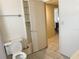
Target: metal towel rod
10 15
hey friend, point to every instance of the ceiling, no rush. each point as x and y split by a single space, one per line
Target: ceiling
54 2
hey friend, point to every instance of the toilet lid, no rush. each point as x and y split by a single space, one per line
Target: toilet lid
19 54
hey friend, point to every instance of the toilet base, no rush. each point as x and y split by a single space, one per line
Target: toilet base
19 55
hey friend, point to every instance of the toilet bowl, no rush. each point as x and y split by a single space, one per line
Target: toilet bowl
15 48
19 55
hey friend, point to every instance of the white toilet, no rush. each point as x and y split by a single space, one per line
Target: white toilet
15 48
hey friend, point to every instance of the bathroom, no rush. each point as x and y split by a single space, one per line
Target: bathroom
21 35
29 33
20 30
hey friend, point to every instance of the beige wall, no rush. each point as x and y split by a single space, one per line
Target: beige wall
50 19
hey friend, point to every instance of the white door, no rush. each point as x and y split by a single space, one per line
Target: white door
38 24
69 26
12 25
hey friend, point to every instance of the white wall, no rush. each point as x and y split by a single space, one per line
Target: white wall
56 16
69 26
12 27
2 51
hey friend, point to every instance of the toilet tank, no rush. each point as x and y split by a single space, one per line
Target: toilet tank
7 48
13 47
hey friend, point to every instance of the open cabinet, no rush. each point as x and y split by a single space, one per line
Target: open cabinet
29 48
35 24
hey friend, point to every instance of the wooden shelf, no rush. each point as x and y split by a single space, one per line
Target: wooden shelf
28 21
26 14
26 0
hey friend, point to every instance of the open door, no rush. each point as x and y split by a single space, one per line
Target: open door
38 24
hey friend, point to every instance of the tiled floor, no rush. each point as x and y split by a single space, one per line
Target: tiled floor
49 53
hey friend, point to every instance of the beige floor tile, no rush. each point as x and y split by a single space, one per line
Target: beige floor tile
50 53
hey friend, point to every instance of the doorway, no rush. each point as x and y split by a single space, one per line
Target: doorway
52 22
52 26
51 52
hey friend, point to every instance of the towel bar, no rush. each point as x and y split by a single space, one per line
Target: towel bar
10 15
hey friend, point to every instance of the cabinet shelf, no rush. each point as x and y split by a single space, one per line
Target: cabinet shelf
28 21
25 0
26 14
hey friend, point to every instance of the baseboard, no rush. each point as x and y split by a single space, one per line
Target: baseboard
65 57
